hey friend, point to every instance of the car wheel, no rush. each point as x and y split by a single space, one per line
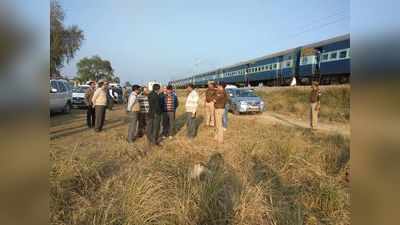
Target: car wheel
67 108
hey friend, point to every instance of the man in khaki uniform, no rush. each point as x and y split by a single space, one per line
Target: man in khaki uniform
220 100
314 105
210 110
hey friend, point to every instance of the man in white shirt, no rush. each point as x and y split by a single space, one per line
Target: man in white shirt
192 102
133 109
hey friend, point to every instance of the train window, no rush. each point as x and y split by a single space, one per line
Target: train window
333 55
289 57
343 54
270 66
324 57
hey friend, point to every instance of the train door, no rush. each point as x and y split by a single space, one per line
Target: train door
316 66
296 63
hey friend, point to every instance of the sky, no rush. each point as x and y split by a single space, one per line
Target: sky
169 39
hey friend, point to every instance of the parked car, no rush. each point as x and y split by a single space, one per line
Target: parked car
243 100
78 96
60 96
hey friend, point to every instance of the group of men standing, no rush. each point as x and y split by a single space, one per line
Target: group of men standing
151 111
155 112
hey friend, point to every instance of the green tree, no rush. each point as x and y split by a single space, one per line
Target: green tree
64 41
127 84
95 68
116 80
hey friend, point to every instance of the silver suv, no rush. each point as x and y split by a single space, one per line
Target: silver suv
243 100
60 96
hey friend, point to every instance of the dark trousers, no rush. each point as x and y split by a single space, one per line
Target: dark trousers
165 124
170 124
133 126
190 125
100 111
153 128
142 124
90 116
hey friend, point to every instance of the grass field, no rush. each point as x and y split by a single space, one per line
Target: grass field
263 174
335 102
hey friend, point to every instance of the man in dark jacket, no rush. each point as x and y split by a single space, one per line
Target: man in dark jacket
170 103
154 116
90 114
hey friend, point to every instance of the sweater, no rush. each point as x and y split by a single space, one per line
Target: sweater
169 101
192 102
155 104
144 103
99 97
221 98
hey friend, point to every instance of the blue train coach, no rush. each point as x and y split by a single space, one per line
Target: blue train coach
327 62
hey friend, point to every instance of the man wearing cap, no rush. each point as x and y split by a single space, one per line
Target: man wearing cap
314 104
90 113
210 110
99 101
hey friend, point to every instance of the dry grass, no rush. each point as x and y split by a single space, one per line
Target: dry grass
335 102
264 174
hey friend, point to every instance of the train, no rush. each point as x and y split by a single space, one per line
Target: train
327 62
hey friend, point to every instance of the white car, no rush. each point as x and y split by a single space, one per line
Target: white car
60 96
78 96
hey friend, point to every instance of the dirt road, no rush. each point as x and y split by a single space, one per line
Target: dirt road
273 118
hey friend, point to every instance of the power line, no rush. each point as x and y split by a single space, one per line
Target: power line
318 27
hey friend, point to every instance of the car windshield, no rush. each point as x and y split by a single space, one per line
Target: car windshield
245 93
80 89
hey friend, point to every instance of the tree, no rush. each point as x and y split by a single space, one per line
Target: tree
116 80
127 84
64 42
95 68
